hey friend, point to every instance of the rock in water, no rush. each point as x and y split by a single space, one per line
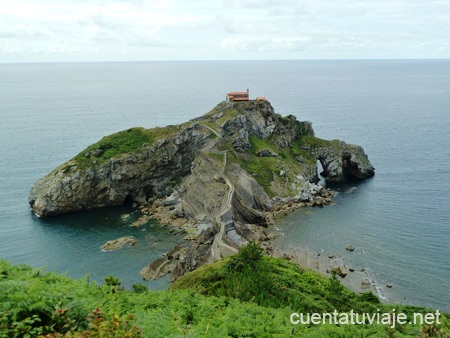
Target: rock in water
341 160
119 243
340 270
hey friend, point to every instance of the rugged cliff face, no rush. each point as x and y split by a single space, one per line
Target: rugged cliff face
269 157
151 170
341 160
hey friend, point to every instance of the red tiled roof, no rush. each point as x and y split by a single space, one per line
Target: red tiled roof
237 93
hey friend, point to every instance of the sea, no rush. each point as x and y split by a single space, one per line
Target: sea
398 110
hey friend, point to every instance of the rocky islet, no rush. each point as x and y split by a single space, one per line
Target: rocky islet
179 175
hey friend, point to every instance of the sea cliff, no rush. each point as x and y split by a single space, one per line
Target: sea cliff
274 155
224 174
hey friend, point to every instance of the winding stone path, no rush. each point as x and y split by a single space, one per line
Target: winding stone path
226 207
211 129
219 248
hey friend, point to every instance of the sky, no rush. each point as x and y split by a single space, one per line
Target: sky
147 30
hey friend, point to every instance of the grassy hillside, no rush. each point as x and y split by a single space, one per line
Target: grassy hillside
123 142
226 299
278 283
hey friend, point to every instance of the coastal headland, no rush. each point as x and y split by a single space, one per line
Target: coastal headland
221 178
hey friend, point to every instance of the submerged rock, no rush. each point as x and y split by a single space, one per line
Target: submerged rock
141 221
366 284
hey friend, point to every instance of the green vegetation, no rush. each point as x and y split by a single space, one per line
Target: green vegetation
245 295
277 174
117 144
252 277
131 140
35 303
111 146
271 282
315 142
262 168
219 114
266 170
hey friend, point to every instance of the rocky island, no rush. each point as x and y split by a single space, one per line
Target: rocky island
222 175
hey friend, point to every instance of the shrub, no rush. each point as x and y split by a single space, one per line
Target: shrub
139 288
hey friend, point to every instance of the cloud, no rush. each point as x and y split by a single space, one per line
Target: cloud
263 44
23 31
102 29
235 28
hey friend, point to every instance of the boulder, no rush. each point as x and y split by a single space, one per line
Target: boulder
265 153
365 284
300 159
178 212
340 270
170 200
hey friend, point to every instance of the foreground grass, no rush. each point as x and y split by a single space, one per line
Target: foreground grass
211 302
276 283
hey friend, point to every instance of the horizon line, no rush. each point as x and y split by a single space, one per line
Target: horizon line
228 60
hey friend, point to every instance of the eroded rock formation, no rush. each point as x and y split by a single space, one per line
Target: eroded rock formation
150 170
342 160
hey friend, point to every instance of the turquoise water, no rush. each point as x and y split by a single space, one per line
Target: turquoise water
397 110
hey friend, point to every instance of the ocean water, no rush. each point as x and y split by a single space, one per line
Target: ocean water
398 110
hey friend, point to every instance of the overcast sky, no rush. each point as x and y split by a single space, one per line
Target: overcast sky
145 30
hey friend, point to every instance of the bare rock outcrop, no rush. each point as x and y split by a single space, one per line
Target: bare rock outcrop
149 171
259 119
341 160
204 189
249 200
183 259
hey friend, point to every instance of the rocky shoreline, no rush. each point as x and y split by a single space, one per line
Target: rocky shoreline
194 252
356 279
